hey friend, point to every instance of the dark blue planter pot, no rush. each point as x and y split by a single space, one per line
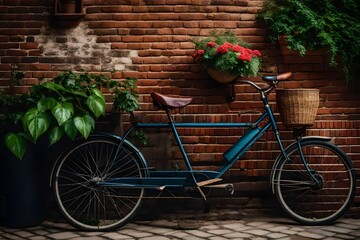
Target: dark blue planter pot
23 188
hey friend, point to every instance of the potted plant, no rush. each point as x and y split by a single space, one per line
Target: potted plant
62 108
323 24
67 106
226 57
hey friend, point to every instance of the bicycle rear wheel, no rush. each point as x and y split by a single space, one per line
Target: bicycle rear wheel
83 202
306 202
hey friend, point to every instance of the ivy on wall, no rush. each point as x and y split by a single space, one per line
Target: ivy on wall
309 25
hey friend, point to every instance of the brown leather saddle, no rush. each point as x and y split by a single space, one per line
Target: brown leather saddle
165 102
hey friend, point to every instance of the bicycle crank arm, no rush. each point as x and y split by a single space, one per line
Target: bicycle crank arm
208 182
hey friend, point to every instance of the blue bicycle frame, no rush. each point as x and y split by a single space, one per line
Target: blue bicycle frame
162 179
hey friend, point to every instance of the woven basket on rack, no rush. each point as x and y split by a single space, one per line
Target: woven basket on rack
297 107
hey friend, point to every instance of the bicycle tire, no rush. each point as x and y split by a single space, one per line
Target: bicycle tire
309 204
85 204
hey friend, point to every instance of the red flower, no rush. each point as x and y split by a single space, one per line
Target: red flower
223 48
245 56
256 53
237 48
210 44
229 45
198 54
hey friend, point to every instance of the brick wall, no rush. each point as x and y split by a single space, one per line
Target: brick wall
151 40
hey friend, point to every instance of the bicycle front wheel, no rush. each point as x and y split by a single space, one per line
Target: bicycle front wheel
309 203
77 183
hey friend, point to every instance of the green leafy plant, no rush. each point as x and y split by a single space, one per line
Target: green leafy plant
68 105
226 52
308 25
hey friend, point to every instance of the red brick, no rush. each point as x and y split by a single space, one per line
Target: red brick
9 45
16 53
10 59
41 67
29 45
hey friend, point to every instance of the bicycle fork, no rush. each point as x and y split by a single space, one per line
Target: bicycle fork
316 183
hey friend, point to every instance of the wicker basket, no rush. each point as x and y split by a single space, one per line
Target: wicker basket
297 107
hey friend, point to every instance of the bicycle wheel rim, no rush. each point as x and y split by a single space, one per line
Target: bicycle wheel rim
309 204
91 207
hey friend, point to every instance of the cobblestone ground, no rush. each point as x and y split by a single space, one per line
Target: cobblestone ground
259 227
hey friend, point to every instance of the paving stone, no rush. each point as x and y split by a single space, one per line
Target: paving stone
199 233
278 228
276 235
38 238
355 233
63 235
237 235
92 238
338 229
217 238
289 232
219 231
116 235
41 232
192 238
258 232
255 224
24 234
233 225
11 236
296 229
266 226
311 235
343 236
135 233
179 234
322 232
156 238
347 225
211 227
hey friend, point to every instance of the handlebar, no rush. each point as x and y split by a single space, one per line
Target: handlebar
272 82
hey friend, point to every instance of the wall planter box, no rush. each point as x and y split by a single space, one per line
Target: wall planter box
67 13
68 9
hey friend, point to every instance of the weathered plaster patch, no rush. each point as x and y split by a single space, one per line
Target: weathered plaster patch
79 46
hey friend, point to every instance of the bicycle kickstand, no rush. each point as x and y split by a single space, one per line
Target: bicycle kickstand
206 202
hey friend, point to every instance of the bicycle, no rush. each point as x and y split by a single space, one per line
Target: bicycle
100 182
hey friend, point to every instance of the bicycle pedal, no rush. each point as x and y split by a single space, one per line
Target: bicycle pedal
207 182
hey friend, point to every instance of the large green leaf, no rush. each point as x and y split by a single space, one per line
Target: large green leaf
53 86
98 93
16 144
63 112
97 105
84 124
36 123
46 104
70 129
55 134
